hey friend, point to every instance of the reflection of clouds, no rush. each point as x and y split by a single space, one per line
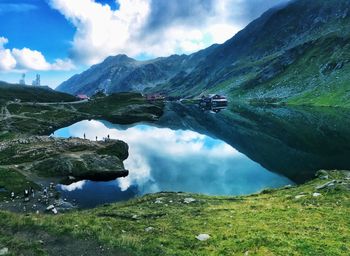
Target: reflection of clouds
73 186
164 159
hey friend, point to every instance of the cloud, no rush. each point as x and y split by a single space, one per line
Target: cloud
7 61
154 27
27 59
74 186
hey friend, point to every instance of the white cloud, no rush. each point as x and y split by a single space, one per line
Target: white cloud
30 59
154 27
100 30
7 61
74 186
27 59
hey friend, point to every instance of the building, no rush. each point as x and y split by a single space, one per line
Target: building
22 81
36 82
213 102
82 97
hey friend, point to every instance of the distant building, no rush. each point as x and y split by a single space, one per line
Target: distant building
22 81
82 97
213 102
36 82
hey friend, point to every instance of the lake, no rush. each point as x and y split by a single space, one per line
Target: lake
236 152
162 159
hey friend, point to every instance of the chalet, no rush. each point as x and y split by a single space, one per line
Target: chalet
213 102
82 97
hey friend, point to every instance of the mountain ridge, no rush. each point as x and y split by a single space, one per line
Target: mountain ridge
266 61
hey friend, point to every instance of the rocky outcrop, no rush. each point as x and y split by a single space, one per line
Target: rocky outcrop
66 160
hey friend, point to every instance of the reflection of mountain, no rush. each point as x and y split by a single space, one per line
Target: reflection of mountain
295 142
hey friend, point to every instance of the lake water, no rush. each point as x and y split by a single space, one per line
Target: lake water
165 159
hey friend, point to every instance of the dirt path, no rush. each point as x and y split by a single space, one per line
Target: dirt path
61 103
5 113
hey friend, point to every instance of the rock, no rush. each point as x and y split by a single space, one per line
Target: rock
50 207
299 196
71 177
149 229
4 251
158 201
63 205
326 185
189 200
203 237
316 194
321 173
246 253
54 210
69 159
134 217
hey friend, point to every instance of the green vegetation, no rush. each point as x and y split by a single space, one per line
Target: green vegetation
11 92
289 221
33 118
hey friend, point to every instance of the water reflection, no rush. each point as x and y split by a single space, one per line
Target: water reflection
162 159
295 142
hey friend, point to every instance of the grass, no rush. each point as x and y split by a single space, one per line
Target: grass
33 94
313 79
270 223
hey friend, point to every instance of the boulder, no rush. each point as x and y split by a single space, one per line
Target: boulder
4 251
189 200
203 237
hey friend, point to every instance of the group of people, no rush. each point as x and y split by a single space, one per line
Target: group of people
108 137
30 193
26 193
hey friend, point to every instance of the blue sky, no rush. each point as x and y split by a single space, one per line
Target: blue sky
59 38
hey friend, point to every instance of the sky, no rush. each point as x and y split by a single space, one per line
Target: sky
59 38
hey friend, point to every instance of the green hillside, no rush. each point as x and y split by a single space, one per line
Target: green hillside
10 92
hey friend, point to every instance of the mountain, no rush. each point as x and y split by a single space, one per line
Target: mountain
121 73
298 53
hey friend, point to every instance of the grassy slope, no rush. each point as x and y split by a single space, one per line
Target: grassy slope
312 79
313 82
271 223
30 93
